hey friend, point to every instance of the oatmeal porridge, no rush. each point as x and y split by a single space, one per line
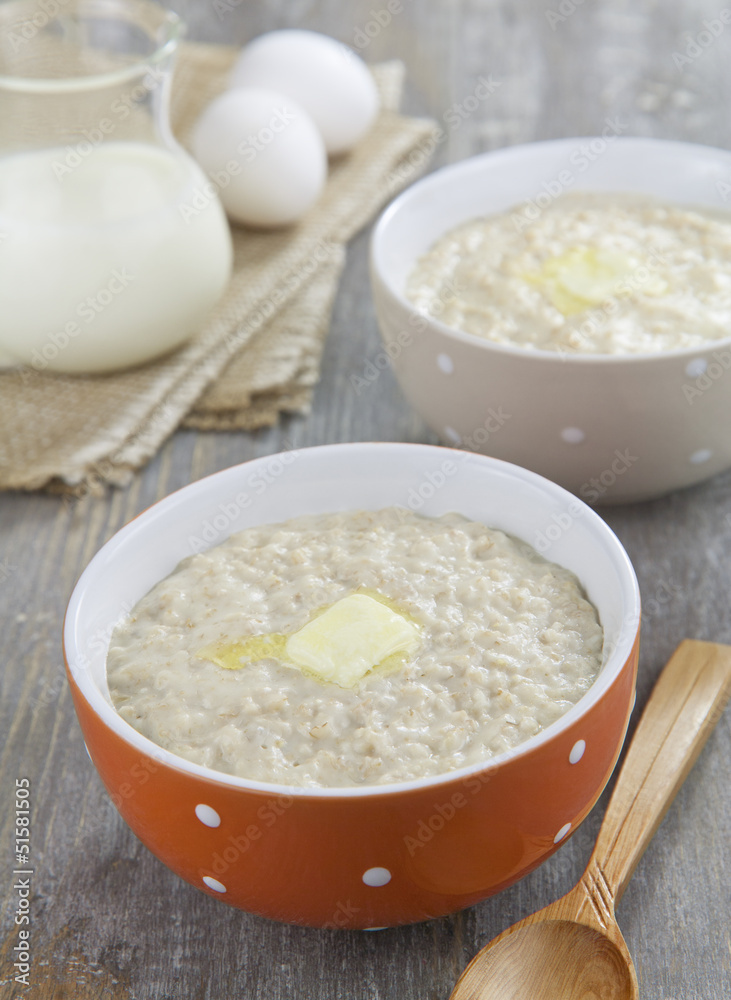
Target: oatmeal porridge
594 273
355 648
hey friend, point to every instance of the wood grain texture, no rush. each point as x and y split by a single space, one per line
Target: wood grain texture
109 920
573 948
685 705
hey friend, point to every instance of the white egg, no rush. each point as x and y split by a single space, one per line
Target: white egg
264 155
324 76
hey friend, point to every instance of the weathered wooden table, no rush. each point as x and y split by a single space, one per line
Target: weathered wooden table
107 919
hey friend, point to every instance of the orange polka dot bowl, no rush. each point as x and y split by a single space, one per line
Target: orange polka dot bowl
382 855
610 427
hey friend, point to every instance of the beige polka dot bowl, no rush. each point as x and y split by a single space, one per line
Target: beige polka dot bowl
610 428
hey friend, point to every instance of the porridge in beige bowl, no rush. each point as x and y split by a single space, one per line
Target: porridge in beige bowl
593 273
355 648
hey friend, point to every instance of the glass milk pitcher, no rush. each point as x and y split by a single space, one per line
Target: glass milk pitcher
100 266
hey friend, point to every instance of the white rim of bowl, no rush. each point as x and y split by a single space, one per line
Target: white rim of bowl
609 672
474 164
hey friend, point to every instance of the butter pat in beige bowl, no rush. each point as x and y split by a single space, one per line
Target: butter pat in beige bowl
567 306
594 273
457 820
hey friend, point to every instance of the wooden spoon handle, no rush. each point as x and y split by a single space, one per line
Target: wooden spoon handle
684 706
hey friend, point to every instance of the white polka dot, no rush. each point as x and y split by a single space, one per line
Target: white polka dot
696 367
454 436
572 435
207 815
377 876
445 363
562 833
577 751
214 884
701 456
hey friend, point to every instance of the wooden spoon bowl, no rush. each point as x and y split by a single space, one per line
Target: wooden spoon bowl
577 961
573 948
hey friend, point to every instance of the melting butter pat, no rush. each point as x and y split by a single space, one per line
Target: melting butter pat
352 637
587 276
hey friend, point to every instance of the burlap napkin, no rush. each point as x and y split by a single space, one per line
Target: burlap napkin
260 350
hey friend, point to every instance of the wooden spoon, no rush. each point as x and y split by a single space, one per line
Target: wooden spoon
573 949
